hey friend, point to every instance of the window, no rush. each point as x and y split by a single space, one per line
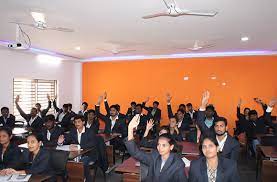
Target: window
32 91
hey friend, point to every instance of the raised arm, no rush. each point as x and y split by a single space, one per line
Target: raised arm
101 116
131 145
201 113
107 107
45 111
55 105
238 109
260 102
144 103
21 112
169 109
267 115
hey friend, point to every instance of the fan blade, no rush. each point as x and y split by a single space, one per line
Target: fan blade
38 17
155 15
123 51
62 29
198 13
25 24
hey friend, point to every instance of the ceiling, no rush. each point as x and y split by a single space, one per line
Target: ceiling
117 24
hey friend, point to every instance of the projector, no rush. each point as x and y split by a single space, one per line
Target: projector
16 46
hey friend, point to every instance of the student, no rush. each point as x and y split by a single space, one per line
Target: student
63 117
243 119
153 112
192 113
205 117
228 146
33 120
84 110
9 152
163 164
78 138
39 159
107 107
72 113
113 124
42 113
211 167
174 130
51 132
6 118
92 121
131 112
143 122
258 125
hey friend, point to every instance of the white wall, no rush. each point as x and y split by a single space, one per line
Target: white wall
14 64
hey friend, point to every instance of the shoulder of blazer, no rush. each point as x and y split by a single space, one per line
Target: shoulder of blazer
225 163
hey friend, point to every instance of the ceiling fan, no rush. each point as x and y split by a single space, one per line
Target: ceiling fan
196 46
116 51
173 10
40 23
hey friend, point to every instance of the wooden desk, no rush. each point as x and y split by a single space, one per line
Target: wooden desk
73 154
39 178
189 148
269 152
259 136
130 172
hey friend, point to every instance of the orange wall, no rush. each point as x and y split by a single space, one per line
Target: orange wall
125 81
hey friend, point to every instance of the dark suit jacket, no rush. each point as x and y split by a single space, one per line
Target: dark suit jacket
94 126
107 108
10 157
88 141
37 123
66 121
226 170
55 133
201 116
173 169
45 111
157 115
258 127
10 121
231 148
40 164
119 127
130 114
186 121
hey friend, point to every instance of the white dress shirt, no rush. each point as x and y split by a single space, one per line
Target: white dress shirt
222 142
113 121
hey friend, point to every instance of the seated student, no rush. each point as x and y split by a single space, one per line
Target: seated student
9 152
174 130
242 119
39 159
81 138
107 107
42 113
183 119
72 113
131 112
205 117
51 132
163 164
257 125
143 122
192 113
33 120
228 146
84 110
6 118
92 121
113 124
64 117
212 167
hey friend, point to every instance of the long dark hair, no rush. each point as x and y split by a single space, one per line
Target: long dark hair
208 137
171 141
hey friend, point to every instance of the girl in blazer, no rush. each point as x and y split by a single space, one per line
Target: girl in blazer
211 167
9 152
39 158
163 164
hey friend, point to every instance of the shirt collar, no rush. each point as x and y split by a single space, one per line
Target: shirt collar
83 131
114 119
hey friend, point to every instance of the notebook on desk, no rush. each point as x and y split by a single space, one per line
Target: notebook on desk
15 178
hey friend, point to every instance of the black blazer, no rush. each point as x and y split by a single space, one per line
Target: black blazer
157 115
226 170
186 120
10 157
173 169
88 140
55 133
10 121
130 114
231 148
40 164
119 127
201 116
107 108
94 126
45 111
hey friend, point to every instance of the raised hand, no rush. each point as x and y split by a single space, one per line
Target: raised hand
272 102
147 99
100 99
168 98
239 103
105 95
17 99
134 122
48 97
205 99
150 124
